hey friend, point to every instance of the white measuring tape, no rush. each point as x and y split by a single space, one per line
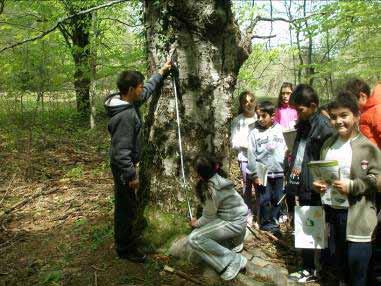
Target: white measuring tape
183 183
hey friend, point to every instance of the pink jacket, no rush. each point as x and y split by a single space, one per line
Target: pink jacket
286 116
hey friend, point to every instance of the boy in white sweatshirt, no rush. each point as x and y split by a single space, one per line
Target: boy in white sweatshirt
266 152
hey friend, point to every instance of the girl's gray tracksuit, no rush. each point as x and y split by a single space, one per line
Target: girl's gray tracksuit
221 226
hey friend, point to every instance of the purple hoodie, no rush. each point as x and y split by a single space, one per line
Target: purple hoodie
286 116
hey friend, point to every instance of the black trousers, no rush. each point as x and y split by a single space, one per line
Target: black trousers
129 221
359 254
352 258
337 219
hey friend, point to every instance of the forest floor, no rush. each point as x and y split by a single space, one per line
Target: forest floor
56 213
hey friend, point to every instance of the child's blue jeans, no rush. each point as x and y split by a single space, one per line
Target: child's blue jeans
269 196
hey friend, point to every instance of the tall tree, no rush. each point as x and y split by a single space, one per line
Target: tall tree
309 69
210 51
2 3
76 32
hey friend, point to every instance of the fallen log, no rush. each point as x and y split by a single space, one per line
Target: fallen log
27 200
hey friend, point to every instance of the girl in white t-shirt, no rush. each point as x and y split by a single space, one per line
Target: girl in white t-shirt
240 129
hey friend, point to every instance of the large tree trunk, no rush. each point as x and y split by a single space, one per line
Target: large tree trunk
210 52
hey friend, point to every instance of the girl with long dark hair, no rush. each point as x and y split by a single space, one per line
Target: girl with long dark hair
218 234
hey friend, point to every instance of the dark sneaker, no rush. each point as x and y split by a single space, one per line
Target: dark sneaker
303 276
134 256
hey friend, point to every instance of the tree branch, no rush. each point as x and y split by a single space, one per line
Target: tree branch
119 21
65 33
56 25
263 37
260 18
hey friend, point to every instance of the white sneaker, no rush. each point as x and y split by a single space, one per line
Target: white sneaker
303 276
250 220
283 218
234 268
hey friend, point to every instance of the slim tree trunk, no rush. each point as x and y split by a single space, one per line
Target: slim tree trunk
81 56
76 32
300 53
93 69
210 52
310 70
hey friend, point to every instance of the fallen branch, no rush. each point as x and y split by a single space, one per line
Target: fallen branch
253 232
27 200
9 187
182 275
271 236
15 189
97 268
5 245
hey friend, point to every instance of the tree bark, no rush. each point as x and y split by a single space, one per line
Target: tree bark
210 52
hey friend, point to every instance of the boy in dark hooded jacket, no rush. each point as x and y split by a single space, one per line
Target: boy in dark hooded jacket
124 127
312 130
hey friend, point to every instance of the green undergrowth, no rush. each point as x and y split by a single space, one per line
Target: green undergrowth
43 143
163 228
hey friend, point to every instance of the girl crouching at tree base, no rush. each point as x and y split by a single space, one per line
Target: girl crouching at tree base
218 234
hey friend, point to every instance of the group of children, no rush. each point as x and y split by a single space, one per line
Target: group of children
350 133
258 139
270 170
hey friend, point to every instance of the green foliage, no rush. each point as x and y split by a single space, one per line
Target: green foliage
47 64
80 222
347 40
252 72
75 173
345 43
51 278
99 235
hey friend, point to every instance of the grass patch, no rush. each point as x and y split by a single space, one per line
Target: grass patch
163 228
51 278
99 235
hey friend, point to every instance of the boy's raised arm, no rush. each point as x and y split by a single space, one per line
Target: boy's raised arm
151 85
